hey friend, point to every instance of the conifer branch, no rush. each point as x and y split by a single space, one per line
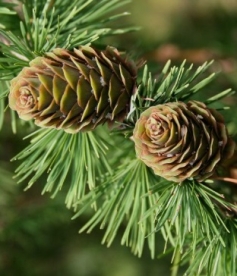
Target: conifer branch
172 84
45 25
99 168
121 200
77 159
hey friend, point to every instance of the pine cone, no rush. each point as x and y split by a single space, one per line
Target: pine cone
180 141
74 91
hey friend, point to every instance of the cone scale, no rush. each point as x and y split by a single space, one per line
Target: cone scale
182 141
74 90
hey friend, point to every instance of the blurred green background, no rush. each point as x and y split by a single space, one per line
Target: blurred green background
37 236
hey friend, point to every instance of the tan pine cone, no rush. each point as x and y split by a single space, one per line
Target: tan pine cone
180 141
74 90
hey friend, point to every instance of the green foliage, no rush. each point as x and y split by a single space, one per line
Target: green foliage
217 256
98 169
77 161
46 25
123 192
51 24
121 199
9 17
175 83
192 218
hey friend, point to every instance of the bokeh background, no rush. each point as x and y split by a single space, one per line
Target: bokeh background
37 236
